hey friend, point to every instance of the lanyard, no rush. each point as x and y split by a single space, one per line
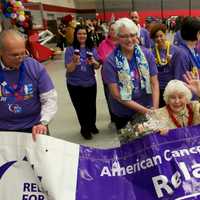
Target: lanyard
19 83
195 56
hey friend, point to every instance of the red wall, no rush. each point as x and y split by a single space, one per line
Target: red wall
143 14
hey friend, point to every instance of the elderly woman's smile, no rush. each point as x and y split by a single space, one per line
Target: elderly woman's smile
177 101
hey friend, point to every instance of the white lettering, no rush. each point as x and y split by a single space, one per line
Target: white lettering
196 171
176 181
167 155
185 171
161 183
119 171
142 164
105 172
193 150
129 169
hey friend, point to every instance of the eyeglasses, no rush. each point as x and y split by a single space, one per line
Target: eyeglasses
17 56
126 36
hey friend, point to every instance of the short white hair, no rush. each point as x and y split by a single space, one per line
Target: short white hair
125 22
176 86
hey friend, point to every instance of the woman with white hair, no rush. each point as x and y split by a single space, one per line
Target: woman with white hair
180 111
131 75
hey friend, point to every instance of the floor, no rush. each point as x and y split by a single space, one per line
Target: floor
65 124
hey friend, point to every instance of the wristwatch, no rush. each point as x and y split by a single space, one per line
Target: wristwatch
44 122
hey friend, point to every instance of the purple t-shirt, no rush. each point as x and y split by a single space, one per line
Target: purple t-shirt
22 110
84 74
145 38
110 76
185 62
178 38
167 72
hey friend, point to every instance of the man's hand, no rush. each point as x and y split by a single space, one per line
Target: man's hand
39 129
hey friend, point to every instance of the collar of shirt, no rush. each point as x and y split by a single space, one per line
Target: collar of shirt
4 67
139 28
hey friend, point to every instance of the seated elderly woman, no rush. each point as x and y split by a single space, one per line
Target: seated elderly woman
180 110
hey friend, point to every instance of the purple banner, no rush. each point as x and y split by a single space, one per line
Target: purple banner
150 168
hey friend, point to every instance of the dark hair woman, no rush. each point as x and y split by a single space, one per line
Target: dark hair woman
81 60
165 54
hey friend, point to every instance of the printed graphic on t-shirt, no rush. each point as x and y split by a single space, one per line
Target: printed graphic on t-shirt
25 93
13 100
83 65
142 40
135 76
14 108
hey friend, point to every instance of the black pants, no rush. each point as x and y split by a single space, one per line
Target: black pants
84 101
121 122
161 101
61 42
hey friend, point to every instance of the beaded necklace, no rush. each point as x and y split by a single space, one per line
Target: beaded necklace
173 118
167 57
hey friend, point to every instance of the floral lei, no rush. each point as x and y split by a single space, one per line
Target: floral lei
173 118
167 58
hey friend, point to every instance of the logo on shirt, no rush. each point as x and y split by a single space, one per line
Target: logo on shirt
25 93
14 108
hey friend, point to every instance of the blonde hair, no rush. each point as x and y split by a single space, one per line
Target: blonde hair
176 86
125 22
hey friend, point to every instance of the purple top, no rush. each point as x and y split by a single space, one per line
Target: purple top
198 47
178 38
166 72
84 74
185 61
145 38
110 76
22 111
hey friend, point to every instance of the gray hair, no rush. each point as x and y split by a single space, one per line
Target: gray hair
125 22
176 86
10 33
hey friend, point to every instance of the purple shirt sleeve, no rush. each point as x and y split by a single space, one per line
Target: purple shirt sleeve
95 54
183 64
109 72
145 38
151 61
68 55
38 71
44 82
